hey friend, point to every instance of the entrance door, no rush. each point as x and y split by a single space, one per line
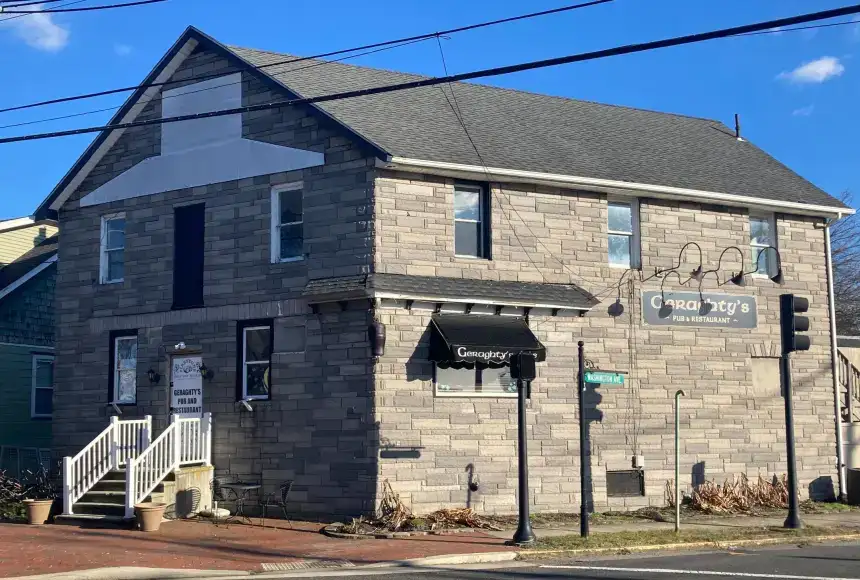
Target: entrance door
186 386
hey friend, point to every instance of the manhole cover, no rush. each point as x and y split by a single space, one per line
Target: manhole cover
306 565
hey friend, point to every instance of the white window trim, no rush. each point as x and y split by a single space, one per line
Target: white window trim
245 362
103 262
635 236
482 232
771 260
33 387
476 394
116 369
275 229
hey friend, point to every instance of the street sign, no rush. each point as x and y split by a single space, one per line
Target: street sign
604 377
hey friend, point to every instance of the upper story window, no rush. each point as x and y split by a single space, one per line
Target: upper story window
189 228
471 221
255 356
287 223
123 367
762 236
624 234
41 401
112 248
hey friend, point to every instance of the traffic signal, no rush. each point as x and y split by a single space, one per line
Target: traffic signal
789 306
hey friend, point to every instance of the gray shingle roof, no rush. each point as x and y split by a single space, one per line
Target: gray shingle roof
437 287
526 131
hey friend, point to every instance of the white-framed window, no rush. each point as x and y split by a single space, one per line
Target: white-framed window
256 361
470 221
762 235
112 248
287 223
490 382
124 370
42 390
623 233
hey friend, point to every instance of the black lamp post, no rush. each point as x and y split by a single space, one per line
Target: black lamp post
523 369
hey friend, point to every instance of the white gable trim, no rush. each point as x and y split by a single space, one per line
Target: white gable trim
114 135
27 277
612 187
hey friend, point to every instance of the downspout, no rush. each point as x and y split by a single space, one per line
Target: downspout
834 361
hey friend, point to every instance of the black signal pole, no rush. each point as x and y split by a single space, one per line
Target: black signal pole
524 534
584 465
793 519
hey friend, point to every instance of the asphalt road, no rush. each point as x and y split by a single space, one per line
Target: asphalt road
813 562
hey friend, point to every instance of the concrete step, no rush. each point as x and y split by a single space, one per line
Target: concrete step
94 521
99 508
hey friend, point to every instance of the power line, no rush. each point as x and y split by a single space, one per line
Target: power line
28 13
491 72
163 97
84 9
3 2
317 56
793 29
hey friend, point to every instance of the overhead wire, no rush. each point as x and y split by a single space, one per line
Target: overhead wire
484 73
313 57
84 9
36 12
163 97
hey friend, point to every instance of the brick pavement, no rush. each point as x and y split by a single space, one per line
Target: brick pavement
26 550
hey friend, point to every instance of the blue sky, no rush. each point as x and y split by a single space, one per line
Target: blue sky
796 92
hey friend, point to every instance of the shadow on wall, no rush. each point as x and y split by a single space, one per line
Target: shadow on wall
419 367
591 402
698 474
821 489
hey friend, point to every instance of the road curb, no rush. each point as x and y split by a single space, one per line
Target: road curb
690 545
448 560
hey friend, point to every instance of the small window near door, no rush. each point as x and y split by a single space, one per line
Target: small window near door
254 343
123 367
41 404
488 382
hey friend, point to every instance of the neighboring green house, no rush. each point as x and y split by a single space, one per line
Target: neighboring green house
26 343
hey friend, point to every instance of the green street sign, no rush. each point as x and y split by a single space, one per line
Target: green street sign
603 377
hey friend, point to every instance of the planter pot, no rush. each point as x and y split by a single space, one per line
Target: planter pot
38 510
149 516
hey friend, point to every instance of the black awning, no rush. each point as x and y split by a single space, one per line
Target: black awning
468 339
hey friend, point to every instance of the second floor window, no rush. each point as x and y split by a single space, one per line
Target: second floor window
287 223
112 248
255 360
471 221
762 236
623 234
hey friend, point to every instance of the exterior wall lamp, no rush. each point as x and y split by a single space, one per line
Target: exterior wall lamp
153 376
206 372
666 309
776 278
697 273
376 336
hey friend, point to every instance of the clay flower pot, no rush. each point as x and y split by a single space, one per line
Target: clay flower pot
38 510
149 516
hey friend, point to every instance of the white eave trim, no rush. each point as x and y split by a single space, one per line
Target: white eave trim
27 277
610 186
16 223
460 300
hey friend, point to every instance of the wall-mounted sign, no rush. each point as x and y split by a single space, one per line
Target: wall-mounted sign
604 378
708 310
186 386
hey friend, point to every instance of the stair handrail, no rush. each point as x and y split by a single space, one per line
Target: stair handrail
186 440
119 442
849 378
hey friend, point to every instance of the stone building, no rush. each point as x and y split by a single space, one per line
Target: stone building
274 244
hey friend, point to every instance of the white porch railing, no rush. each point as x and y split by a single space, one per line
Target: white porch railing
185 441
117 445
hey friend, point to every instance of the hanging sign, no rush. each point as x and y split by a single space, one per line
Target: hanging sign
707 310
604 378
186 386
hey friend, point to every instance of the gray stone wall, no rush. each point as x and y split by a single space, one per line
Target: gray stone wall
314 429
728 425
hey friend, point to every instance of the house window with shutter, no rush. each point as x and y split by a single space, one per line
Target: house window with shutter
188 237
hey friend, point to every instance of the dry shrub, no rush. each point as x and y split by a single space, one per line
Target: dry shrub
740 495
459 517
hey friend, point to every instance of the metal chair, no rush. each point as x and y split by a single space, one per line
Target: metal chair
219 494
278 499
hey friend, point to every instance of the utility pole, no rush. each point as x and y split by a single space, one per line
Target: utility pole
584 463
790 325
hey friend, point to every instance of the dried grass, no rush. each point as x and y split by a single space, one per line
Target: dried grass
459 517
737 496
